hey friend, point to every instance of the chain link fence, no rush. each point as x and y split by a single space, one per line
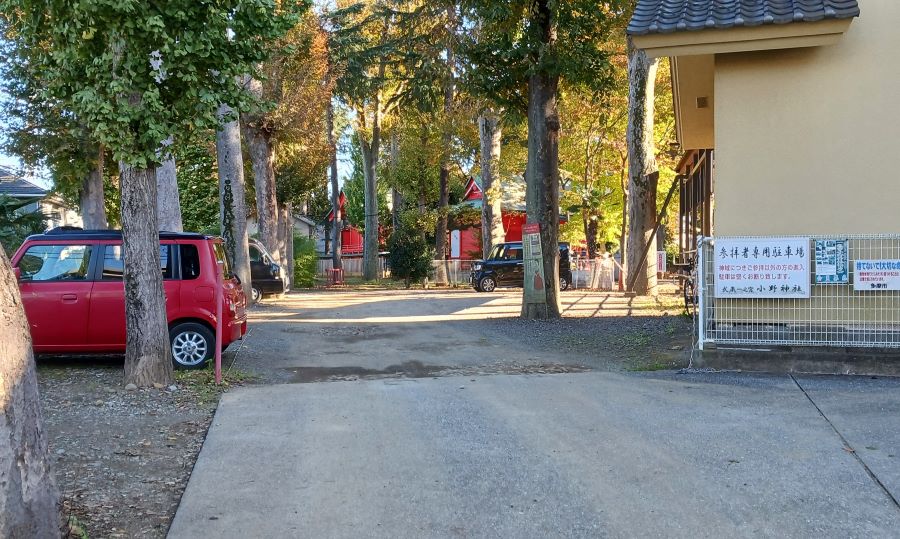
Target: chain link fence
859 308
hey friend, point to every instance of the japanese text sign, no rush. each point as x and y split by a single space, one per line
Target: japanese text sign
762 268
832 262
873 275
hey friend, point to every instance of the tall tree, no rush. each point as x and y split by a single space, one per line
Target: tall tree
643 173
44 134
336 226
134 73
29 500
360 39
258 133
232 195
168 205
521 54
490 132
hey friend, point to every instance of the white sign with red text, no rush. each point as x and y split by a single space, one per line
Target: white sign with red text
874 275
762 268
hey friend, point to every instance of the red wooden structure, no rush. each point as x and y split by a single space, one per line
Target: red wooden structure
352 240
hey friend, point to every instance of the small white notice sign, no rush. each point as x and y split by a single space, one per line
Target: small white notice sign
762 268
874 275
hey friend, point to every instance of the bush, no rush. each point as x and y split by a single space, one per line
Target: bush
410 256
16 224
305 261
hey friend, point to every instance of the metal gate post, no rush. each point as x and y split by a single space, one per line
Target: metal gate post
701 294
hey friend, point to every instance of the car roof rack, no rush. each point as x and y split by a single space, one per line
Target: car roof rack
75 232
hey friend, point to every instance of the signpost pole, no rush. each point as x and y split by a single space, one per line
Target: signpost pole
219 301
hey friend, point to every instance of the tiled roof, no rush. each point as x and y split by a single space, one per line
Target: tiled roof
666 16
13 185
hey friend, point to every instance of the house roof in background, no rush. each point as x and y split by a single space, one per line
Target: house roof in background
668 16
13 185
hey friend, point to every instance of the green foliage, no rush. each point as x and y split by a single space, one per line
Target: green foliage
16 224
134 72
509 45
410 255
354 190
41 132
305 261
198 183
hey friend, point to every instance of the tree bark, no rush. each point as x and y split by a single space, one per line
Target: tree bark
232 197
396 196
93 205
262 157
168 207
29 499
490 133
642 181
370 152
147 354
542 170
335 192
440 233
286 222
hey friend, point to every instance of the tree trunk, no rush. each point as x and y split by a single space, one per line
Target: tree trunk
168 207
232 197
286 221
370 169
422 205
29 500
590 234
396 196
440 233
641 167
262 157
335 193
147 354
93 206
490 134
542 187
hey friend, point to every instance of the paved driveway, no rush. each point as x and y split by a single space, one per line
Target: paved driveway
431 453
569 455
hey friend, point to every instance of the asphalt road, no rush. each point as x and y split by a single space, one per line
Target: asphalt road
405 446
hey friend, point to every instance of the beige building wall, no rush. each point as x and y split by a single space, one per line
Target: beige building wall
807 139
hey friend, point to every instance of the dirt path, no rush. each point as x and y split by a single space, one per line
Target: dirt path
312 336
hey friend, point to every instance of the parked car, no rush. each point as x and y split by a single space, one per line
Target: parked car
505 267
266 277
74 296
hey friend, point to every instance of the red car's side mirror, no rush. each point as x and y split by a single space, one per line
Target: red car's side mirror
18 272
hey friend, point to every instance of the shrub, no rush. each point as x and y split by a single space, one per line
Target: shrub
410 256
305 261
17 224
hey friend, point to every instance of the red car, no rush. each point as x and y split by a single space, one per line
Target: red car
74 297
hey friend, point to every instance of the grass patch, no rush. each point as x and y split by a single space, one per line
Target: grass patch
653 367
202 382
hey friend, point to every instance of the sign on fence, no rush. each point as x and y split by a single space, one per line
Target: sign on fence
832 264
762 267
869 275
533 259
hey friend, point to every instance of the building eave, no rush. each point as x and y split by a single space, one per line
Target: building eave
743 39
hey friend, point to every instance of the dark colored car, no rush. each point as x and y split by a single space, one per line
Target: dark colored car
505 267
265 275
74 296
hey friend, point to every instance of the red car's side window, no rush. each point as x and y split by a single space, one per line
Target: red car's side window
56 263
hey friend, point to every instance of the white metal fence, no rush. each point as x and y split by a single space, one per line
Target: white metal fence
353 267
860 309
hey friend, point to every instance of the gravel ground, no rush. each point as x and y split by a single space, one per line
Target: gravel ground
122 458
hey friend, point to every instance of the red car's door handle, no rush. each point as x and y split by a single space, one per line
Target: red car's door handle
69 298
